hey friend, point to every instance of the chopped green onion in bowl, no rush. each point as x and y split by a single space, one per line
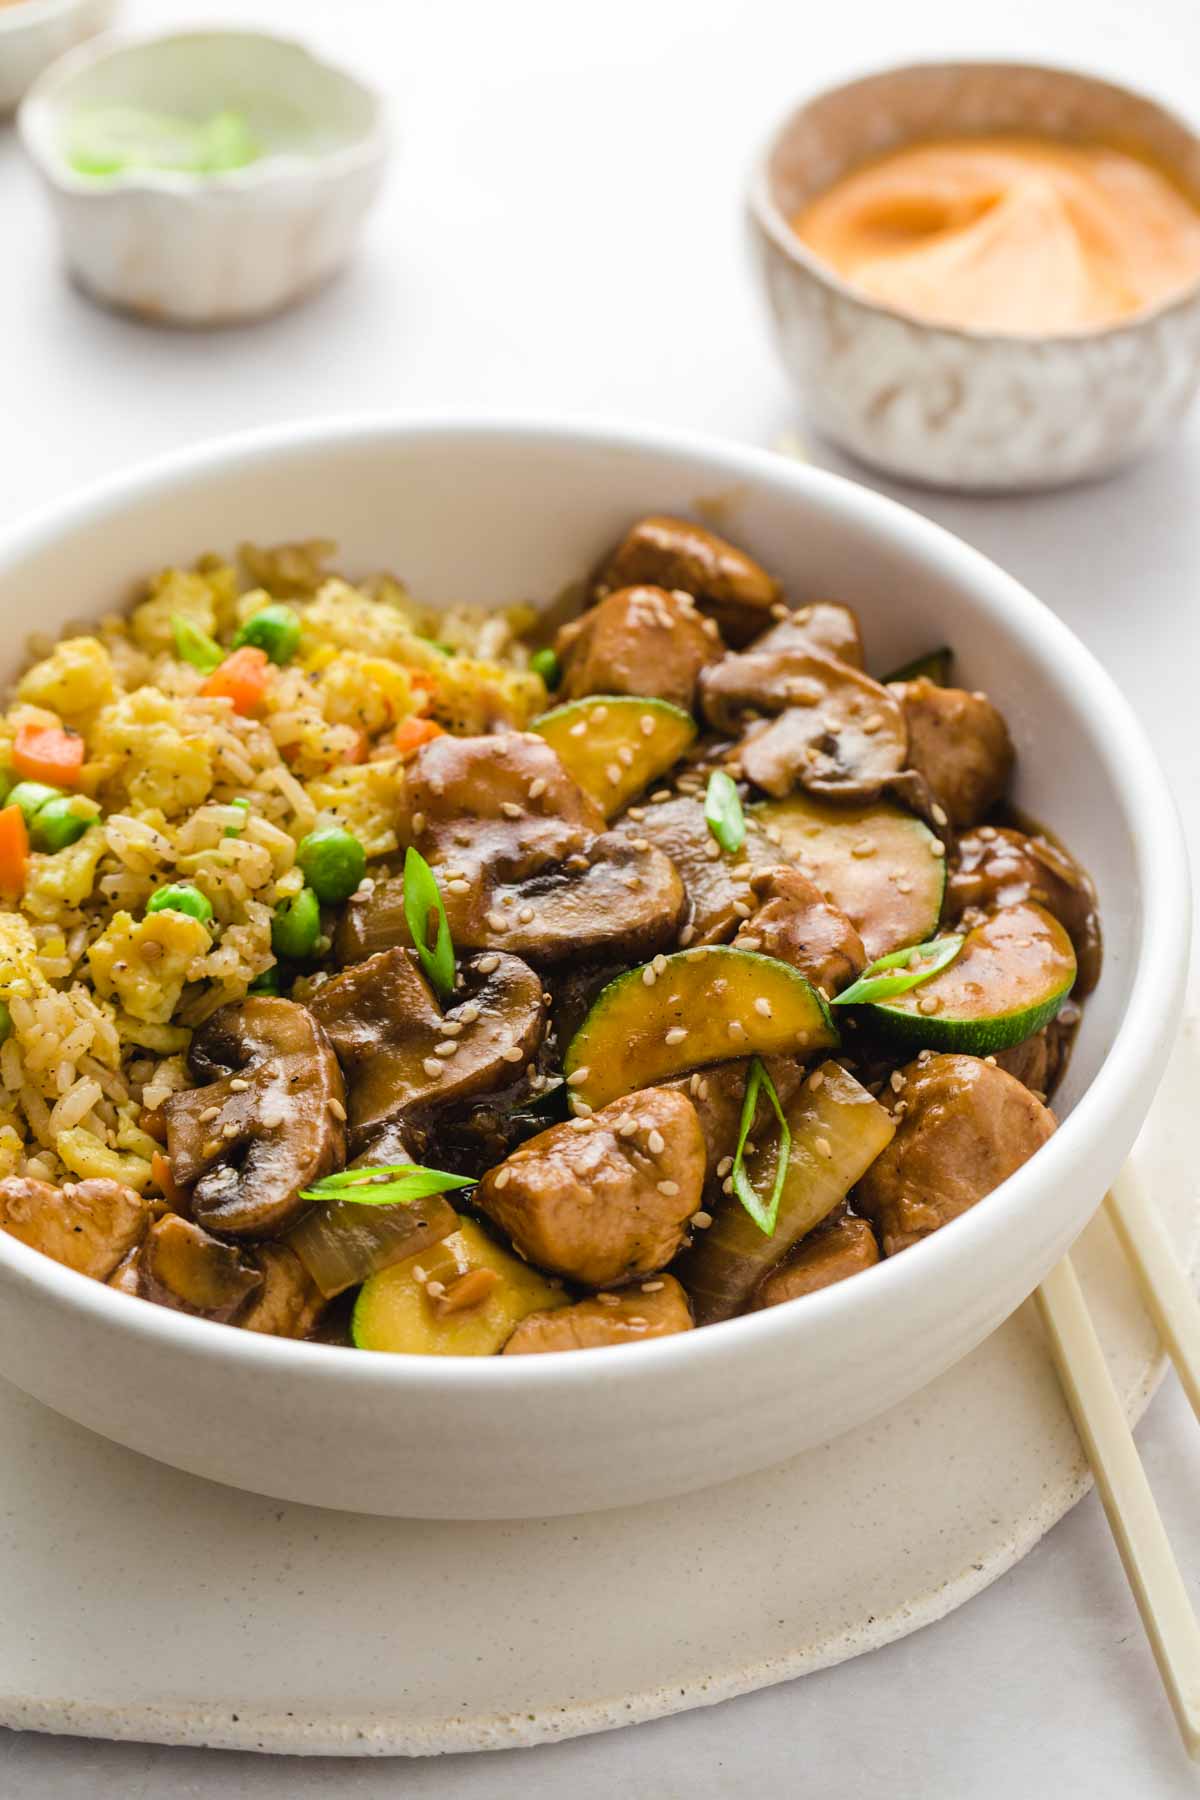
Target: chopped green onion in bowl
765 1213
426 918
903 969
723 811
388 1185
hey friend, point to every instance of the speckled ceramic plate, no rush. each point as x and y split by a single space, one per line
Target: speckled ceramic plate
142 1603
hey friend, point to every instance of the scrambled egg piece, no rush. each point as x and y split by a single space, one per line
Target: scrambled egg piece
364 797
75 680
158 758
205 596
144 963
19 971
85 1156
369 692
64 878
342 616
478 697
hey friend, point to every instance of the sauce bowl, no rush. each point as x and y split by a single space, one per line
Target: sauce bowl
499 512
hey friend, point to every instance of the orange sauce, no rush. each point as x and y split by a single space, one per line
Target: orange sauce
1017 234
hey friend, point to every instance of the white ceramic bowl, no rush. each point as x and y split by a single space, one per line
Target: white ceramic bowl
503 512
34 33
958 408
213 249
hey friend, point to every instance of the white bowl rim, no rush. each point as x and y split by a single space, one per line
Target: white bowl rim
1160 866
39 108
37 12
767 215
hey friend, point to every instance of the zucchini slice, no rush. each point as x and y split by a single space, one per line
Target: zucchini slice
395 1310
881 865
935 665
838 1130
698 1006
1009 979
616 745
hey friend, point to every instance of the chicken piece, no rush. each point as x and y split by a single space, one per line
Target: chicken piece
642 640
965 1127
606 1198
832 1252
178 1264
797 925
653 1309
833 731
717 899
959 743
269 1121
87 1225
728 585
997 867
824 626
717 1093
400 1050
1038 1063
289 1302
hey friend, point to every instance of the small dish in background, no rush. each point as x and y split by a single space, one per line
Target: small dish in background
34 33
209 244
956 407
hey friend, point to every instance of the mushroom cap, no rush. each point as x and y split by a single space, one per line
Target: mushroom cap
267 1122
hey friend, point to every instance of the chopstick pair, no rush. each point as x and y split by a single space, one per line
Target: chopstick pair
1134 1519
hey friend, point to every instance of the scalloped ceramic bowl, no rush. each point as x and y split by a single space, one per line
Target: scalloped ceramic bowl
505 512
35 32
956 408
212 249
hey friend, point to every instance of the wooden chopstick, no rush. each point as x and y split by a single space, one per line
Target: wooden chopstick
1133 1517
1170 1299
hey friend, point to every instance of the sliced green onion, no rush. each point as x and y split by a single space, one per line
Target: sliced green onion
195 646
723 811
890 975
427 922
763 1213
395 1183
237 830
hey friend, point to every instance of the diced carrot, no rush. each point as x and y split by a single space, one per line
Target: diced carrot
412 733
423 681
14 852
243 678
48 753
358 750
163 1177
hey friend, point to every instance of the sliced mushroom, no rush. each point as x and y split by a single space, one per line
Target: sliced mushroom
268 1121
998 867
652 1309
673 553
642 640
606 1198
834 1251
796 924
718 900
400 1051
837 733
505 797
824 626
959 743
179 1265
86 1225
965 1126
289 1303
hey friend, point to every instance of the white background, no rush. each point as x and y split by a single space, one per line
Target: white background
563 232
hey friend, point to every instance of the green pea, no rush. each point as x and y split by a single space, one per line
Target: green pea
181 897
276 629
5 1022
31 796
266 983
58 823
296 927
333 863
547 665
236 830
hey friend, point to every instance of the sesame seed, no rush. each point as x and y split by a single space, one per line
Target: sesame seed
580 1108
211 1147
609 1299
928 1004
667 1187
452 1027
432 1066
435 1289
736 1028
646 725
578 862
823 1147
656 1143
580 1124
487 965
421 1274
653 1287
763 1006
815 1080
724 1166
537 788
612 774
872 724
904 887
229 1131
418 823
991 1062
864 847
513 1053
676 1034
238 1085
712 850
702 1090
687 934
701 1220
599 714
578 1077
741 909
743 869
986 832
578 730
640 844
625 756
936 847
648 975
747 941
636 812
773 833
525 916
447 1048
897 1080
659 795
659 964
502 1178
496 921
458 886
940 815
338 1110
210 1112
627 1127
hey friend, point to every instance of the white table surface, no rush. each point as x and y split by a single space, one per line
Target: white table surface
563 233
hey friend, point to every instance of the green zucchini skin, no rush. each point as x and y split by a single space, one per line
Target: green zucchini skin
935 666
613 729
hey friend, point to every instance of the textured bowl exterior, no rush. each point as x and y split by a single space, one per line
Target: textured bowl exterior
964 409
533 1436
33 35
216 251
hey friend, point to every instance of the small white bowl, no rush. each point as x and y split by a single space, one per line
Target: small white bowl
955 408
34 33
508 511
212 249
